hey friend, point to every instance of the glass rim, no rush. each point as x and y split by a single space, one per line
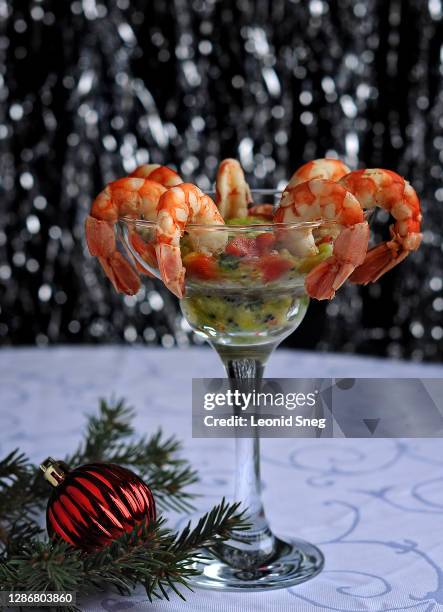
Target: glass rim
259 191
234 228
249 226
266 225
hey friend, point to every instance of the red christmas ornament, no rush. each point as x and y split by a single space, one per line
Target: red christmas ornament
94 504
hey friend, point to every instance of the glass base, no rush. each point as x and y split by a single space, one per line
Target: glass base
295 561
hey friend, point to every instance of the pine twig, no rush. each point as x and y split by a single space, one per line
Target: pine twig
157 558
12 468
18 506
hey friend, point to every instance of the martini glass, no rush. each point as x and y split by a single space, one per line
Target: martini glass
244 304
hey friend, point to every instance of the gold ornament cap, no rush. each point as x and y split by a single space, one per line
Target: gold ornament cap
54 471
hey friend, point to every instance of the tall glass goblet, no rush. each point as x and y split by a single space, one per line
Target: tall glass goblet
244 301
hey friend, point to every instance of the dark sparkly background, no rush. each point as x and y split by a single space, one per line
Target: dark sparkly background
90 89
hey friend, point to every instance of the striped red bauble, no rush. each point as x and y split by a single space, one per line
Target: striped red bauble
92 505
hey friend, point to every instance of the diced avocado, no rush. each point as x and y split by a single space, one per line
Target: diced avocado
228 262
309 263
245 221
185 245
231 315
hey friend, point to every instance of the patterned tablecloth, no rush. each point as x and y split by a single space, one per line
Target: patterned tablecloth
375 507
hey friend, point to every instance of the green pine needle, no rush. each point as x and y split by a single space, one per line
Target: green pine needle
156 459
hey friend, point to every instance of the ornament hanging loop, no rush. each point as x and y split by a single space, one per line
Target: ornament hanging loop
54 471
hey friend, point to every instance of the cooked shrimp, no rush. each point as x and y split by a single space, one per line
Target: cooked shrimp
325 199
331 169
160 174
130 197
262 210
178 207
388 190
232 191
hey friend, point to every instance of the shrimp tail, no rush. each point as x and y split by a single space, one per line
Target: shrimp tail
349 252
171 268
100 238
388 190
121 274
379 260
327 278
385 256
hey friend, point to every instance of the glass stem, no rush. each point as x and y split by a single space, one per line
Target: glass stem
248 550
247 450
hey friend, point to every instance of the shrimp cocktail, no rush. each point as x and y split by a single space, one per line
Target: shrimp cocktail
244 270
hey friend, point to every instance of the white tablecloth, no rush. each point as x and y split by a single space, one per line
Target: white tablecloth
375 507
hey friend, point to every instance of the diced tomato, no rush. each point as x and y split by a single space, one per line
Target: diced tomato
265 242
201 266
273 266
325 240
242 247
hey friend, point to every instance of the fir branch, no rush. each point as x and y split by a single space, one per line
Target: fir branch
12 468
104 432
156 558
214 527
15 478
211 530
43 566
18 506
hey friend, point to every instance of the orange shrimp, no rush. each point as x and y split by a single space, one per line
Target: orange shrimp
130 197
324 199
266 211
232 191
387 190
177 207
160 174
327 168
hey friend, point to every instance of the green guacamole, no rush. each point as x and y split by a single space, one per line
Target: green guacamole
231 314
